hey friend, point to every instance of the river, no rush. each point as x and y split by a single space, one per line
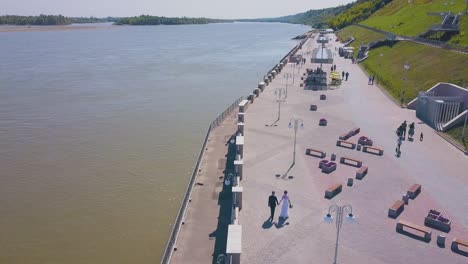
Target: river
100 130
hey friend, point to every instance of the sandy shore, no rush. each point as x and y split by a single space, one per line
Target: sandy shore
54 28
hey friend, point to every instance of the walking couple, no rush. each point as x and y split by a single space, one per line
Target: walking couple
286 204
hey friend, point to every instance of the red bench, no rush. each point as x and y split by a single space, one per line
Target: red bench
426 231
396 209
456 242
333 190
316 153
414 190
345 144
345 160
372 150
361 172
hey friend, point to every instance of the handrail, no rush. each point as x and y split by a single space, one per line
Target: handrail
183 208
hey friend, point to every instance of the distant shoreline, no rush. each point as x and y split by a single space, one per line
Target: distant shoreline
14 28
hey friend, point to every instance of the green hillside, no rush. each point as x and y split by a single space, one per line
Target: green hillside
412 19
314 18
358 12
361 35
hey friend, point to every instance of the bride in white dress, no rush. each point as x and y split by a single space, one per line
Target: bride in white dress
285 206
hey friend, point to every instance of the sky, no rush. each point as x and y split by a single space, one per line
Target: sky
171 8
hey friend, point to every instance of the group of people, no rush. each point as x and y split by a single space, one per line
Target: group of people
401 133
285 203
343 75
371 80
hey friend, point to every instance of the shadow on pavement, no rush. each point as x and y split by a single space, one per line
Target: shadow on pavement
461 252
403 232
225 205
267 224
281 223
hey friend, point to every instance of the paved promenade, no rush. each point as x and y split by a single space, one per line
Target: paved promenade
440 168
204 232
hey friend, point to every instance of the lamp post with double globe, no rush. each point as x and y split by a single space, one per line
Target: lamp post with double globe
295 123
280 92
339 210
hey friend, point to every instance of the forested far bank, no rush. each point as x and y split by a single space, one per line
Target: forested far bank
51 20
159 20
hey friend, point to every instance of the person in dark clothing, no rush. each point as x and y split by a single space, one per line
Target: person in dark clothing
411 130
369 81
272 203
347 75
342 75
372 80
334 67
421 137
404 125
331 68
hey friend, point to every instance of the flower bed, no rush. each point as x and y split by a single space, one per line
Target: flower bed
365 141
435 220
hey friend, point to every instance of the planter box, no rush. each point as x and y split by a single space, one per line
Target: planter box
432 220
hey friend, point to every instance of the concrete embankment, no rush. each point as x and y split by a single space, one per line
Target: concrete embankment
207 228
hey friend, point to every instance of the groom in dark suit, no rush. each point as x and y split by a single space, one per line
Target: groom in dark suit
272 202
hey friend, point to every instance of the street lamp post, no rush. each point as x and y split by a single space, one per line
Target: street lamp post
295 123
406 66
280 92
380 68
339 221
287 75
464 126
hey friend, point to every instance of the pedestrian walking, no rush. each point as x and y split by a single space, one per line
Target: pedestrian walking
331 68
404 129
272 203
421 137
342 75
411 131
372 80
369 80
285 206
347 75
398 149
334 67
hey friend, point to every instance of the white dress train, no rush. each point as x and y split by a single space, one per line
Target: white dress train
284 207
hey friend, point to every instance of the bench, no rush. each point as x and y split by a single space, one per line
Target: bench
345 160
333 190
345 144
316 153
456 242
356 130
361 172
372 150
414 190
345 136
396 209
427 232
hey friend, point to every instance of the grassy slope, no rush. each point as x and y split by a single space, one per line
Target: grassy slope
462 38
360 10
411 20
456 134
360 34
428 66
